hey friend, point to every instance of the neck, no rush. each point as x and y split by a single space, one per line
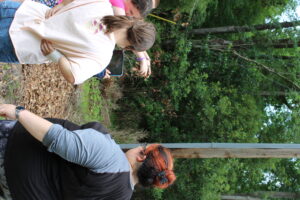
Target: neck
120 36
134 165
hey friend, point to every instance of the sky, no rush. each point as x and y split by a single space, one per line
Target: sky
285 16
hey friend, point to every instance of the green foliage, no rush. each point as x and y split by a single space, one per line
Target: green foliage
91 101
9 84
211 173
242 12
211 94
186 6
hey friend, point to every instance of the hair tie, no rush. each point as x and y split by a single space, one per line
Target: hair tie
162 177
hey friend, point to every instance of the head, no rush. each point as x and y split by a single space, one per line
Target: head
139 35
138 8
156 169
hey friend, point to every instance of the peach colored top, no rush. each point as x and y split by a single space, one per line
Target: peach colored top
71 31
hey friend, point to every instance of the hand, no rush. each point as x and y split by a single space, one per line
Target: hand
107 74
49 13
145 68
46 47
8 111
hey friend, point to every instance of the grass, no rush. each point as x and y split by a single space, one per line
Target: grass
9 84
91 103
128 136
98 100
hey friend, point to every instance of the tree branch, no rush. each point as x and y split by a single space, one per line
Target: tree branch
266 68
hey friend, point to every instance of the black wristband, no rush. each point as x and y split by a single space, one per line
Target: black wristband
18 110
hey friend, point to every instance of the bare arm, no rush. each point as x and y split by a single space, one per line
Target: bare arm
118 11
63 63
35 125
92 150
65 69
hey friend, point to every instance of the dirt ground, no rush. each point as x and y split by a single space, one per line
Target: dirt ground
40 88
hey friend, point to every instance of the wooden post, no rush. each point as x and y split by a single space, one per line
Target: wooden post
261 195
277 195
229 150
237 197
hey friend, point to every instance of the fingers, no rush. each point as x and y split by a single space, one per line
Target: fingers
46 47
107 74
142 71
50 13
134 69
47 14
2 108
7 111
107 71
2 111
149 71
145 68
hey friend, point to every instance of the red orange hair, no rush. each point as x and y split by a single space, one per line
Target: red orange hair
157 168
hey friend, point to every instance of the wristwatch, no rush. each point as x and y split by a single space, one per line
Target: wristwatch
18 110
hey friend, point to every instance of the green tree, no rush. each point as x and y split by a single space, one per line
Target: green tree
220 95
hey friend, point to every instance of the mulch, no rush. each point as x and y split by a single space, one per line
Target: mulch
41 89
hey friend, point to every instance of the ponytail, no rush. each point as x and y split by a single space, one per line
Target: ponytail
157 168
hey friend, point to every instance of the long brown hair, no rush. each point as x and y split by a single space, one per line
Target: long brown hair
157 168
140 34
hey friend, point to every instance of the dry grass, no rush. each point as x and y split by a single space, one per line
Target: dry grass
128 136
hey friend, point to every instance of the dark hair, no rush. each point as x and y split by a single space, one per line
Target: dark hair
157 168
140 34
143 6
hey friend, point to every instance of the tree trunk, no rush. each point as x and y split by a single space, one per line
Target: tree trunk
238 44
265 57
238 29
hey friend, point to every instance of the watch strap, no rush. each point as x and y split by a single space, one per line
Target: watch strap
18 110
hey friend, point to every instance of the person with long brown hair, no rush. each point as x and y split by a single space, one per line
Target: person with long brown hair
57 160
134 8
80 36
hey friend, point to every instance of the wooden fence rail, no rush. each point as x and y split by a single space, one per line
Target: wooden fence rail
229 150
